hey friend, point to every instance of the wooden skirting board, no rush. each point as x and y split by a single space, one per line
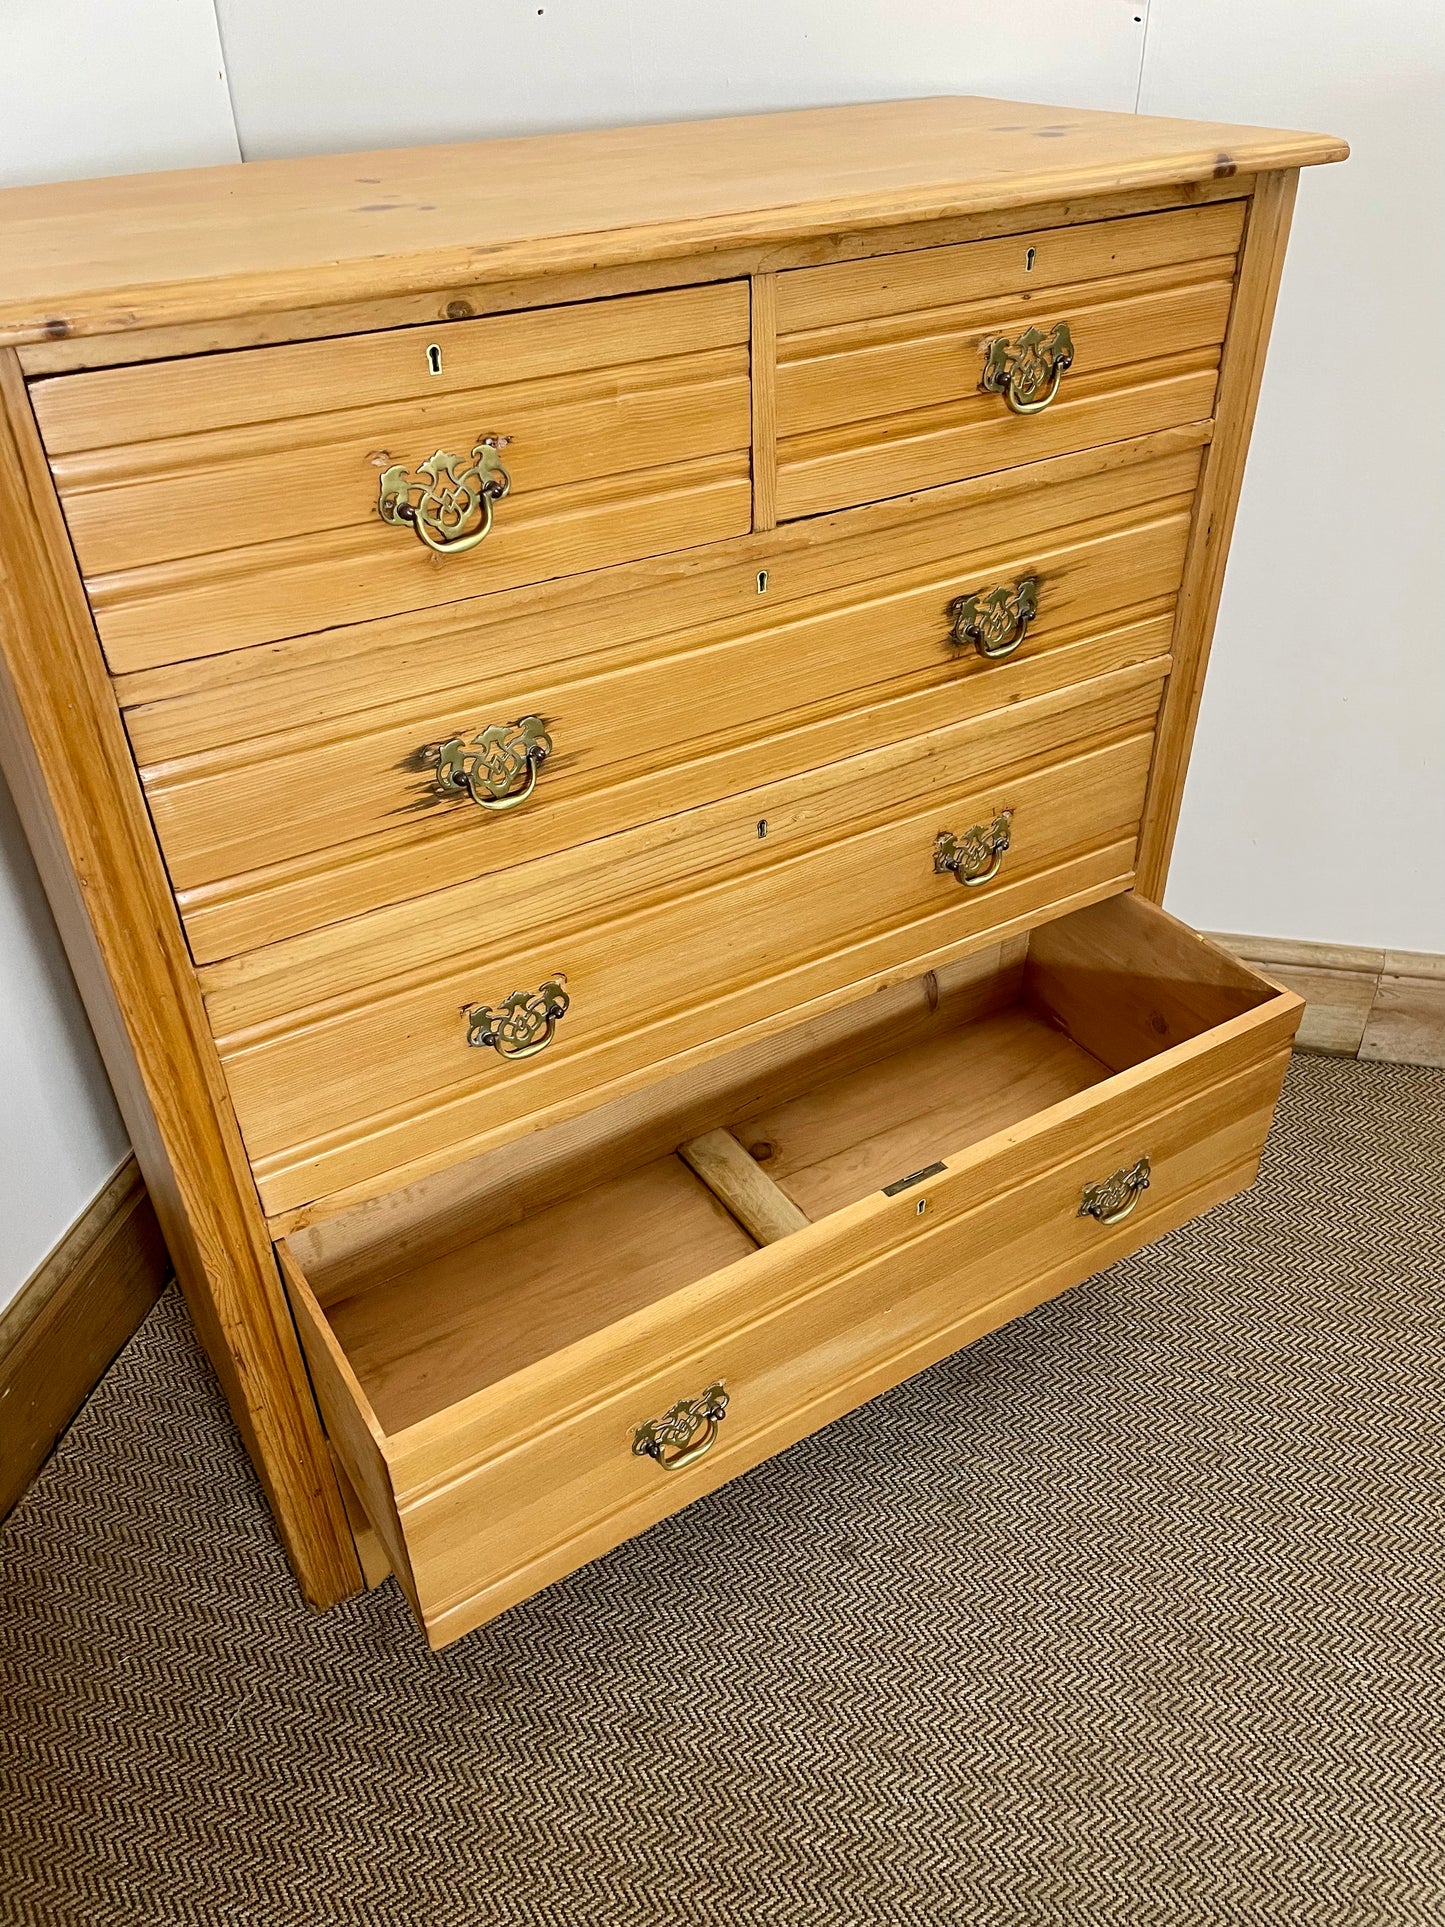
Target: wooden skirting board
1385 1006
66 1324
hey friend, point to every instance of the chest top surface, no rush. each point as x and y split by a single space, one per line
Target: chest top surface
112 255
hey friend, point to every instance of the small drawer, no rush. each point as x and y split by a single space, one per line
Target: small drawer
231 499
921 368
469 1016
277 814
523 1364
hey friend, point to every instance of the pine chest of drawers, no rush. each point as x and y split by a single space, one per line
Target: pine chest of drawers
604 718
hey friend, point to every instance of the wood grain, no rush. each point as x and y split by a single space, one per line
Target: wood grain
747 1190
928 447
1385 1006
1406 1024
1126 981
86 821
355 1433
351 1250
636 731
560 1385
531 1289
764 365
1261 263
586 884
289 385
1037 260
67 1322
326 675
172 496
533 1440
152 250
178 610
878 379
853 1134
376 1076
445 307
372 1554
219 503
954 1294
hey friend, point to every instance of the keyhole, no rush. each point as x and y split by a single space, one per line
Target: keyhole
1029 260
922 1206
762 826
762 582
434 359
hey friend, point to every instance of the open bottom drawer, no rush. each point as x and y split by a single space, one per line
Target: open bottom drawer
536 1356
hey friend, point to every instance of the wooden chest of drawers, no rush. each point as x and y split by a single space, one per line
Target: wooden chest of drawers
604 718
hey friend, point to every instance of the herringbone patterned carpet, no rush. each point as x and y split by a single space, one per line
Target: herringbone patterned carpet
1133 1613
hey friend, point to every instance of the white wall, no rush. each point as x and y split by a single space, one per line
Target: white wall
90 88
1316 806
60 1133
1316 798
334 74
85 88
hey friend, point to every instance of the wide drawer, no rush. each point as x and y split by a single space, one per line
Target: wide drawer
276 814
914 369
532 1367
228 499
471 1014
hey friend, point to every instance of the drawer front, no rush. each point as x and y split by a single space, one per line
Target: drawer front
371 1073
232 499
506 1492
298 826
921 368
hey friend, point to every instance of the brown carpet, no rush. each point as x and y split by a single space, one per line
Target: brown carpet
1133 1613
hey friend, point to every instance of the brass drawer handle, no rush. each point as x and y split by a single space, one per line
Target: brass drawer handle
497 768
1019 370
996 621
523 1024
1113 1200
976 856
453 507
680 1437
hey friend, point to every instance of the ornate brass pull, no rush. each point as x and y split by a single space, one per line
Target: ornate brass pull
976 856
497 768
523 1024
1113 1200
1027 372
996 621
680 1437
453 507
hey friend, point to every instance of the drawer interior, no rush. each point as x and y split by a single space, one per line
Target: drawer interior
434 1294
